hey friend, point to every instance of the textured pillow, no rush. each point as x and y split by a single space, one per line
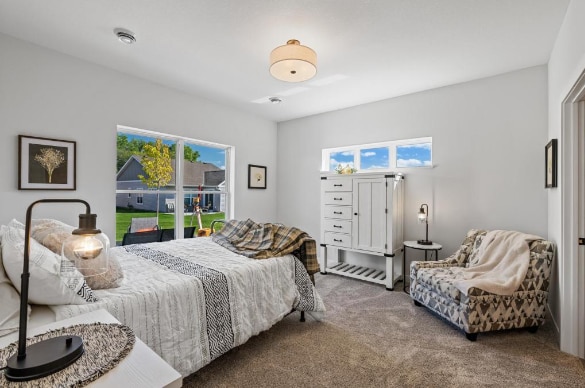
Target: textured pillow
52 234
50 282
10 302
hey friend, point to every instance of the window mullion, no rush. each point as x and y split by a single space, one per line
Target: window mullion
179 193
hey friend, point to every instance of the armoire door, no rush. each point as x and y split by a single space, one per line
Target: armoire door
369 218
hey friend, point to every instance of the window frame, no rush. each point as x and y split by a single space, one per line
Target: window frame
179 192
392 157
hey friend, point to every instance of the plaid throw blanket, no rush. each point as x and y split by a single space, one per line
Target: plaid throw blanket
261 241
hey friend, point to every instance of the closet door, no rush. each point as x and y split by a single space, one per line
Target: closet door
369 214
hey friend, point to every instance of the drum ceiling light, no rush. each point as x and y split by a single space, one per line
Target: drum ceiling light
293 62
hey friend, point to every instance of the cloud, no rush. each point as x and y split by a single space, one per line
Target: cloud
412 163
347 153
424 146
368 153
375 166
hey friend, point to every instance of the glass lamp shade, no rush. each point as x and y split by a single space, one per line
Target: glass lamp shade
88 252
422 216
293 62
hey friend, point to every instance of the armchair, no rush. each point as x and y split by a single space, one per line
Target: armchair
432 285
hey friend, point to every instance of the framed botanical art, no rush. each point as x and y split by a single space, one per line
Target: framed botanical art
256 177
550 161
45 164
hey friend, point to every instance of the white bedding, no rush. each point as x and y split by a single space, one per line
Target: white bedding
192 300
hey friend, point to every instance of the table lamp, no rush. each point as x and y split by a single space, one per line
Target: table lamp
49 356
423 216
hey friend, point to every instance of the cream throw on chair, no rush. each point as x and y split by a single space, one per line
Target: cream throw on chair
503 259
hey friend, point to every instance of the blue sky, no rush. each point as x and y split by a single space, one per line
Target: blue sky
415 155
207 154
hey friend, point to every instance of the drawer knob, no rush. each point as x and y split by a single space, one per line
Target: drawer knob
337 185
337 199
337 226
337 212
336 240
355 214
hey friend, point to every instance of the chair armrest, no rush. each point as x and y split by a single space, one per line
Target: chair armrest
448 262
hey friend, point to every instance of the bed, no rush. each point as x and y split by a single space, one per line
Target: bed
192 300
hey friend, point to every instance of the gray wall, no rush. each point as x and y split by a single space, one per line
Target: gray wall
488 139
49 94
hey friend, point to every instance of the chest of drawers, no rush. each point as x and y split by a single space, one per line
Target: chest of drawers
363 213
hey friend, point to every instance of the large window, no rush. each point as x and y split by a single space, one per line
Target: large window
383 156
147 174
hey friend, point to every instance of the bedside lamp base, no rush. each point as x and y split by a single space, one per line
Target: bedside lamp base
44 358
424 242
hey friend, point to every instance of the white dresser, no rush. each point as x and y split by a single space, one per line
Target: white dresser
363 213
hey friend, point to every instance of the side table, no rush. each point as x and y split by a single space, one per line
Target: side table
142 367
414 245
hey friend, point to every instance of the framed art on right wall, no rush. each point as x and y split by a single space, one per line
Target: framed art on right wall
550 164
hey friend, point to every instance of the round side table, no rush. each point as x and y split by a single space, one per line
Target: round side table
415 245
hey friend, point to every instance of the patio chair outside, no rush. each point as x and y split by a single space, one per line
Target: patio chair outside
143 224
169 234
142 237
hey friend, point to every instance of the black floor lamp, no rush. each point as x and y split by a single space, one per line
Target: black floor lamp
423 216
49 356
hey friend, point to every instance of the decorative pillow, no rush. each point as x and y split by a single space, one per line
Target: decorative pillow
473 256
50 282
52 234
10 306
16 224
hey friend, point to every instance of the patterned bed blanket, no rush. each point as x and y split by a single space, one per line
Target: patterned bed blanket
262 241
193 300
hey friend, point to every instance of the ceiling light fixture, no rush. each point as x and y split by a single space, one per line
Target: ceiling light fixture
275 100
293 62
125 36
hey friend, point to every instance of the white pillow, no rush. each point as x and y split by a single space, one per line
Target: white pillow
50 282
10 306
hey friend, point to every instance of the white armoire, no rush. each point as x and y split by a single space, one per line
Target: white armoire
363 213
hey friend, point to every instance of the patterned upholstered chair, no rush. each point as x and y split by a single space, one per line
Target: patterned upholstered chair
431 284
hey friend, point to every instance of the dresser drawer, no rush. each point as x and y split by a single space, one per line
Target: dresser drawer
341 212
338 198
337 185
338 239
337 226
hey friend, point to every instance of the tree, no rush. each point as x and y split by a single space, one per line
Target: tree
156 162
50 159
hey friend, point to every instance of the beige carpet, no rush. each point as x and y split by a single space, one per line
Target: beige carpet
376 338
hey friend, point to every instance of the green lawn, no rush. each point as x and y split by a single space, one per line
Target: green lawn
165 221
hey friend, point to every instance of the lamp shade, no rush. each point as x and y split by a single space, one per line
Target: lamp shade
293 62
87 247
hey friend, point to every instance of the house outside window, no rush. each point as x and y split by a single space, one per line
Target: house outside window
139 199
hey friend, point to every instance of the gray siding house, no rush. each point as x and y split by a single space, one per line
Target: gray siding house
199 176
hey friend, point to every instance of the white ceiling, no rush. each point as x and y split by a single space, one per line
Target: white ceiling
368 50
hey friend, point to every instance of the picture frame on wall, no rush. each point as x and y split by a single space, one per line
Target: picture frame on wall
550 158
256 176
46 164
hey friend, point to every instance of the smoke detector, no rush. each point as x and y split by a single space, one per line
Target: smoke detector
125 36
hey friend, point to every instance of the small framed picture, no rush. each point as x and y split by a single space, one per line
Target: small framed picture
45 164
256 177
550 160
